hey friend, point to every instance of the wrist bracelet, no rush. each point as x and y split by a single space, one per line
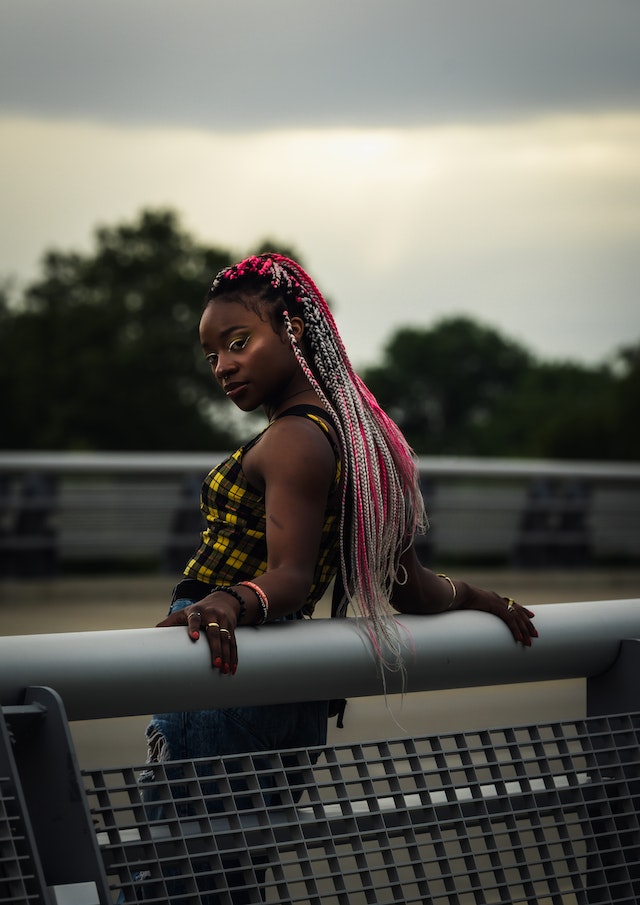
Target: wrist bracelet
453 587
242 612
262 599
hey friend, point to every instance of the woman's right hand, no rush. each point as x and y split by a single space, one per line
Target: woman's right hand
217 617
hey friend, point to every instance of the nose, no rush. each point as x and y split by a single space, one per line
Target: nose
224 366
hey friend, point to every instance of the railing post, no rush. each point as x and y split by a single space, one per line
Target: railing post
54 797
21 876
616 691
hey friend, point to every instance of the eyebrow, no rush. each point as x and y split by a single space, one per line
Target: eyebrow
224 334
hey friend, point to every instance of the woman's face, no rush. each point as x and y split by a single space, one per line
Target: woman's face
251 360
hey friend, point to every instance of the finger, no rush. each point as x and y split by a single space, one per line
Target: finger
180 617
524 617
215 646
229 637
225 639
518 620
194 622
224 652
520 611
528 633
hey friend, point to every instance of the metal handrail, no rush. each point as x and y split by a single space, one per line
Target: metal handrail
133 672
180 463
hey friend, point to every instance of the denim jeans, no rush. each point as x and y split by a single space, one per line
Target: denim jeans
223 732
238 730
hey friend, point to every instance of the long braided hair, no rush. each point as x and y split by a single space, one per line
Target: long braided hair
382 503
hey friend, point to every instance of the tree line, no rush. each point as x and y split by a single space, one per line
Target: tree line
101 352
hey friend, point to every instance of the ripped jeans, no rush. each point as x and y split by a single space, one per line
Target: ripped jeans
235 730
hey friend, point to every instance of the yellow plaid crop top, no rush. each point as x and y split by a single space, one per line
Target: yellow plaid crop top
234 544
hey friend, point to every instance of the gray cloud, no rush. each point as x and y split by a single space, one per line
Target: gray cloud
249 64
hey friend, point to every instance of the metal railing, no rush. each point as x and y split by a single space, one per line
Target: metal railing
536 814
532 513
124 673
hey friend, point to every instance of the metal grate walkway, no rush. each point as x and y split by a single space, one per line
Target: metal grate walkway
543 814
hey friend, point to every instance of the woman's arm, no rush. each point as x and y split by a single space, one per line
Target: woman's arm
425 593
294 467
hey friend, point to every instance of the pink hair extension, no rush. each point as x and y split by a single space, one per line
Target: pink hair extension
382 503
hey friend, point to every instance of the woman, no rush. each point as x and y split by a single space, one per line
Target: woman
329 487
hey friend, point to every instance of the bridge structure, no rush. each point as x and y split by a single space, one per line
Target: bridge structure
544 813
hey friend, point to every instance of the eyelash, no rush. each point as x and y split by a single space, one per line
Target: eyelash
239 343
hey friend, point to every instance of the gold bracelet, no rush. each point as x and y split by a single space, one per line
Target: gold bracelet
453 587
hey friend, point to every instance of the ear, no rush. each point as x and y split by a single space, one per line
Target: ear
297 325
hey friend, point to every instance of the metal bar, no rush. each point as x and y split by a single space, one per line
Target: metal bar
149 463
125 673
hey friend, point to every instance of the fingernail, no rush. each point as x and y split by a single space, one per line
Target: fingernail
195 636
225 668
233 669
217 662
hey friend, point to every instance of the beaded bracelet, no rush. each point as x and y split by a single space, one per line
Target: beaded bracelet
262 599
227 590
453 587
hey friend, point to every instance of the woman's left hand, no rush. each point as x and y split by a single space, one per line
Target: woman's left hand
516 617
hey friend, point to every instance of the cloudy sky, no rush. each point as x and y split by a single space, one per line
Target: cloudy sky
425 157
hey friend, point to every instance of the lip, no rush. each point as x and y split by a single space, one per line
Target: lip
234 389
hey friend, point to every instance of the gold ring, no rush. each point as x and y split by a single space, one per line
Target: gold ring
194 613
225 631
212 625
510 603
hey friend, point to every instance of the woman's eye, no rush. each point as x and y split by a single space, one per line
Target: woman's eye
236 345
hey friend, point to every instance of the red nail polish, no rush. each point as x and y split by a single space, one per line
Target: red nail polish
233 669
217 662
195 636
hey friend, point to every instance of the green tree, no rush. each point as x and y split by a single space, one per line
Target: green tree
462 389
103 352
627 410
556 410
442 384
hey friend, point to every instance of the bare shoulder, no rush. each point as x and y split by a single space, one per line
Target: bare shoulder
293 446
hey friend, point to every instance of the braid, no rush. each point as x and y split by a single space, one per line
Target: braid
382 503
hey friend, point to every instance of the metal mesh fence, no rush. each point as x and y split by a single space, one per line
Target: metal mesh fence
539 814
19 883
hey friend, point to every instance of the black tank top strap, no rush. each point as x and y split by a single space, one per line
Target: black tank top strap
316 411
304 410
